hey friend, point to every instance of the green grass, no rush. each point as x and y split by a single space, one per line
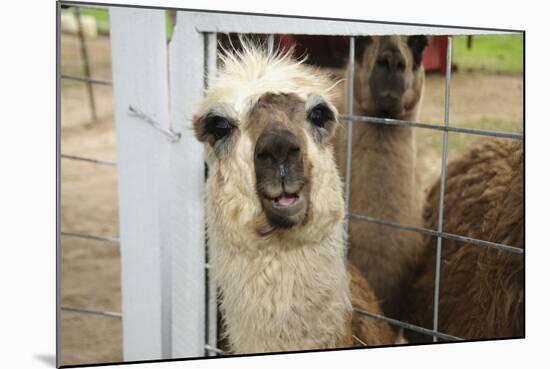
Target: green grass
490 53
102 19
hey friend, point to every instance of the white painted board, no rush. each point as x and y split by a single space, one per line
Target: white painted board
139 62
186 229
240 23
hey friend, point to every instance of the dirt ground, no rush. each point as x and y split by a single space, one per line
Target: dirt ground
90 270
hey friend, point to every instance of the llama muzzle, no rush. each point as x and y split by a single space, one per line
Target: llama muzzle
280 178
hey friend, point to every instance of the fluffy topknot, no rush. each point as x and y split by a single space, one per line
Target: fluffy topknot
248 72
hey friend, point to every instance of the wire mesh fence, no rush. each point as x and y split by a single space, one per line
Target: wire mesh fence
85 54
210 344
439 233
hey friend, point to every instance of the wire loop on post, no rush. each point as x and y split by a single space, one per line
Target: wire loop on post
215 350
349 133
172 135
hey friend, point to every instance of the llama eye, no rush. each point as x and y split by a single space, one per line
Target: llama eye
320 115
219 127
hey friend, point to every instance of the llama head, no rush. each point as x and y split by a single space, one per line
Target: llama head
267 122
390 76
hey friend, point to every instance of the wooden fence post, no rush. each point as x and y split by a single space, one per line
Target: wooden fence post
160 197
187 177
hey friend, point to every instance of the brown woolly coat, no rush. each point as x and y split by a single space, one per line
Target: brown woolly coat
481 289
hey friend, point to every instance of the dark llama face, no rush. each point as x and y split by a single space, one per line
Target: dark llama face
282 168
391 66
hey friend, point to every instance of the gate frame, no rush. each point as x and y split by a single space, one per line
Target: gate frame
168 306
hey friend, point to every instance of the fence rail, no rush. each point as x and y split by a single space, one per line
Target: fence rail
91 237
90 160
86 79
110 314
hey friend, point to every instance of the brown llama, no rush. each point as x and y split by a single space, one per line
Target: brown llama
481 289
388 83
275 209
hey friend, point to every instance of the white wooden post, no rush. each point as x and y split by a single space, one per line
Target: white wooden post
160 195
186 200
140 79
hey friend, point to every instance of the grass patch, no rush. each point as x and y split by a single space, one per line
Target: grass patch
490 53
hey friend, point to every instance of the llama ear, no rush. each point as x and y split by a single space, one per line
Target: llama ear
417 44
361 44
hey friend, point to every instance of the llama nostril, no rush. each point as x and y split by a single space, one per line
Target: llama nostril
263 156
282 170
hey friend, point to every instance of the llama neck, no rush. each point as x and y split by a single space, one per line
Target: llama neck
284 297
384 186
384 167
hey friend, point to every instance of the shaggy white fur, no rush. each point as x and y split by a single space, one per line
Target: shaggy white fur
288 290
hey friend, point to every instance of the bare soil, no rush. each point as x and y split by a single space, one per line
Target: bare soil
90 270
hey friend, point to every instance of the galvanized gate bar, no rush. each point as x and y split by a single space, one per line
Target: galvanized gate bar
349 138
442 186
212 303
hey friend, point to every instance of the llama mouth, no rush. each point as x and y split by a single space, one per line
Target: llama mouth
286 200
285 210
389 114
